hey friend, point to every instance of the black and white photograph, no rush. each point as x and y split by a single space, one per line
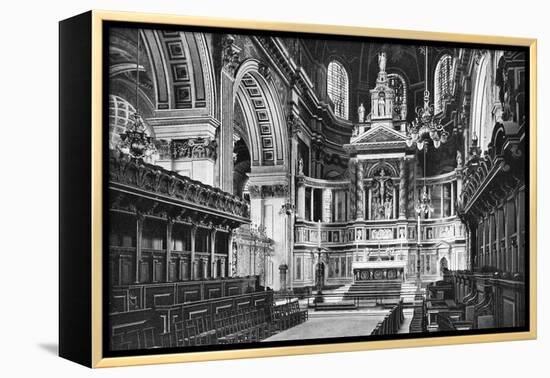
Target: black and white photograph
275 188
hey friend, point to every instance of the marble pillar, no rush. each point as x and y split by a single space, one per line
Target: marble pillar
402 190
327 205
352 187
301 200
360 192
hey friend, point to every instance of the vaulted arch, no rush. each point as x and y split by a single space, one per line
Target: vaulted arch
263 116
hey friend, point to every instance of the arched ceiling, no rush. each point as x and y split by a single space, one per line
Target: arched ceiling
175 68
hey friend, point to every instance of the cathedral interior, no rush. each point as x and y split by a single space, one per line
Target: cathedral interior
260 185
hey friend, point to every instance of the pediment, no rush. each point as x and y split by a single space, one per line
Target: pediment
379 134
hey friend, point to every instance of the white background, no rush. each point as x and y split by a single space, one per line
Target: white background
29 190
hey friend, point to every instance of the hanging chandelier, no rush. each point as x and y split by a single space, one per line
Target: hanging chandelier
424 203
135 142
426 126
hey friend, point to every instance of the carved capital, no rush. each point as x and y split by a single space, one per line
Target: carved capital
268 191
230 55
265 71
293 125
193 148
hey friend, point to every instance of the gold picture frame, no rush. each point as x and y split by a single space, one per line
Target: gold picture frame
96 359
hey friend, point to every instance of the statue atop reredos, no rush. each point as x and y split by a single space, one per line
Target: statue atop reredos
381 104
382 61
361 113
382 95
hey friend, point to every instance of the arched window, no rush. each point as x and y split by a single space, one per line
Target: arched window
399 85
443 82
338 88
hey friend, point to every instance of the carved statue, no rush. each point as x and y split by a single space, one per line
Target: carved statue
361 113
503 83
301 166
388 208
382 196
382 61
458 158
402 233
381 104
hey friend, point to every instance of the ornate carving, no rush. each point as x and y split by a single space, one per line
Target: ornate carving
382 234
230 55
268 191
505 90
193 148
265 71
293 125
402 189
154 179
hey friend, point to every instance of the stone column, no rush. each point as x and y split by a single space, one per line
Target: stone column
441 200
458 185
230 262
301 199
394 210
452 198
169 227
311 204
212 253
230 63
352 187
192 262
402 190
327 205
360 190
204 268
140 219
222 268
368 214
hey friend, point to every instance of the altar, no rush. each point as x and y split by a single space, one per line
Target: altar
378 270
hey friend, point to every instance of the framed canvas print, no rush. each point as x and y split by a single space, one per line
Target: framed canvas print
234 189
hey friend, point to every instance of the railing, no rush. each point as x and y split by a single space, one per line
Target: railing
159 181
391 323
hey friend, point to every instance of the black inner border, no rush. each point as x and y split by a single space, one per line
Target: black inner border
106 352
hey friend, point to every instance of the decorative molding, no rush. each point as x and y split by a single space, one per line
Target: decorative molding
192 149
268 191
183 198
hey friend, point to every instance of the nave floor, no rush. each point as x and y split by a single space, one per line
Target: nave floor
328 324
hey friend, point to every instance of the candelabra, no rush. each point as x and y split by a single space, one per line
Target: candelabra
135 142
426 126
